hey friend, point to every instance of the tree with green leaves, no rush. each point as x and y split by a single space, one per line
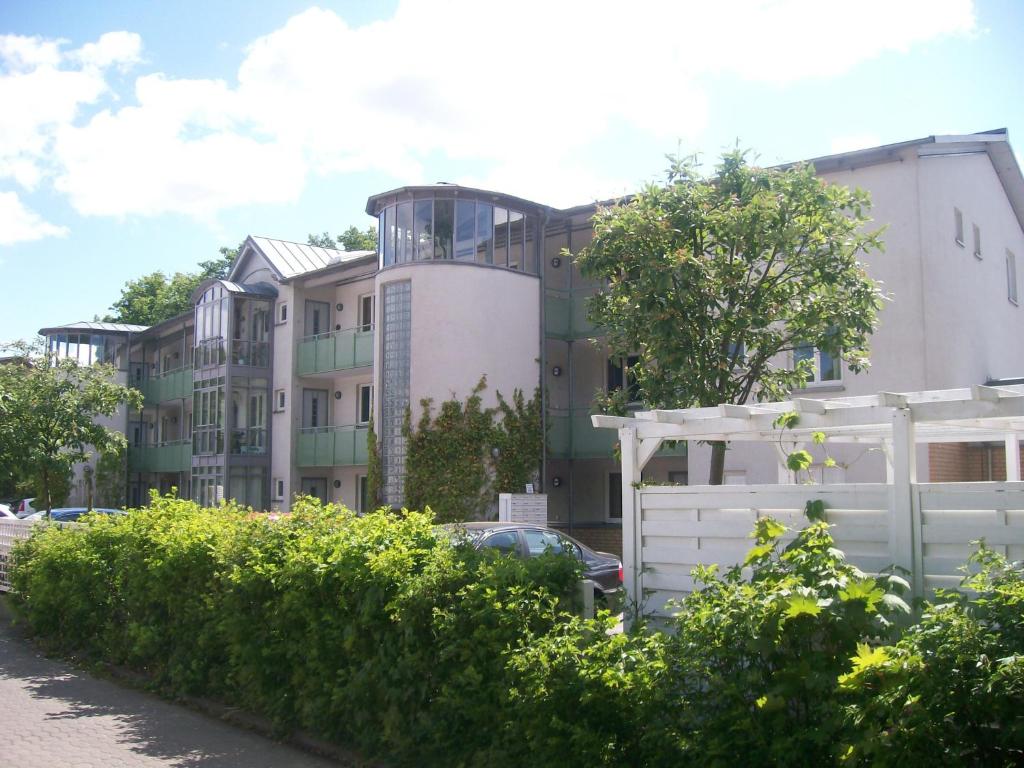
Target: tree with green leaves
55 403
156 297
715 282
352 239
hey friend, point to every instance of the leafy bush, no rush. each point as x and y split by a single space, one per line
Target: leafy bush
371 631
748 674
951 691
367 629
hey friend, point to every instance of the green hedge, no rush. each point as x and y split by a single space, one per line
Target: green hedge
372 632
367 630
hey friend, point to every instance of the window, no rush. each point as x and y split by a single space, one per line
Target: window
279 400
539 541
278 489
314 408
1011 277
506 542
365 403
282 313
958 220
825 366
363 502
366 312
615 497
977 240
621 375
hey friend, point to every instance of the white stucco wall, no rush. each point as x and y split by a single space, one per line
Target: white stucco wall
469 321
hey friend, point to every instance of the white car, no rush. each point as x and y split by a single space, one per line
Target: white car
6 514
24 508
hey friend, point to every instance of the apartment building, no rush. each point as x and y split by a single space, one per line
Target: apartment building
265 389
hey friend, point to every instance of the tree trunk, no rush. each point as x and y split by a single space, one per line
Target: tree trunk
717 473
46 491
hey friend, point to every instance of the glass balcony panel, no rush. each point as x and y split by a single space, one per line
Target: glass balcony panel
337 351
332 447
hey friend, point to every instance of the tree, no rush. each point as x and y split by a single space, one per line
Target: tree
713 283
55 403
156 297
352 239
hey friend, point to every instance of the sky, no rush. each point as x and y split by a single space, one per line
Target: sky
141 136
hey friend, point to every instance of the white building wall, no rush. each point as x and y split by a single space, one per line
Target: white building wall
948 323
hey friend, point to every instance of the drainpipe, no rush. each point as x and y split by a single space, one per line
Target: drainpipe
572 391
540 250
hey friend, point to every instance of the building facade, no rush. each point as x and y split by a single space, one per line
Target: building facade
265 390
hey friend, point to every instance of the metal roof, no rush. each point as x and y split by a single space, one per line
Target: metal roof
294 259
95 326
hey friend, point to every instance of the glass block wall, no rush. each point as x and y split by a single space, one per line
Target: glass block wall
396 349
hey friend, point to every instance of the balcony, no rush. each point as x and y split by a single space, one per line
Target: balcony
571 435
331 447
565 315
337 351
173 456
171 385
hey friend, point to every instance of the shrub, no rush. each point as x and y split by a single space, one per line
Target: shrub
951 691
366 629
747 675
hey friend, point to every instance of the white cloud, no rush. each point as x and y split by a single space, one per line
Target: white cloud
523 93
18 224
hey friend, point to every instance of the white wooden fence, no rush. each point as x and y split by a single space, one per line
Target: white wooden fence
679 527
10 532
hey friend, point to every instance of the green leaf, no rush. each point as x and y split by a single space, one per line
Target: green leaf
815 510
801 605
863 589
798 461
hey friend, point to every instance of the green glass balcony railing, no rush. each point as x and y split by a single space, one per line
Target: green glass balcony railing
331 447
173 456
571 435
335 351
172 385
565 315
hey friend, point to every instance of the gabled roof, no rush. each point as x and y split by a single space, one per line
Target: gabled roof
290 260
95 326
995 143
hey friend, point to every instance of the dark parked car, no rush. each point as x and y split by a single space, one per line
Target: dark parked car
525 540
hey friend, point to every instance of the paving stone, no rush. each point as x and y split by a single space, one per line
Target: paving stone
54 716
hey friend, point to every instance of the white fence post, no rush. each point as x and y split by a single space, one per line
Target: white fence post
632 537
1012 457
904 524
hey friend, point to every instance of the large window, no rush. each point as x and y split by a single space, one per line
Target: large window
208 416
250 338
621 375
365 403
825 367
467 230
366 313
249 415
211 327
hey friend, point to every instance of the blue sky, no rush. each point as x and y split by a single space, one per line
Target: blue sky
137 136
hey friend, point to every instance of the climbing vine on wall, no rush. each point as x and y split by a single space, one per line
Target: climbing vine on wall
457 460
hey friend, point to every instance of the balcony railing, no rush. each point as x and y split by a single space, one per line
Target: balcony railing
331 447
171 456
170 385
252 353
571 435
565 314
336 351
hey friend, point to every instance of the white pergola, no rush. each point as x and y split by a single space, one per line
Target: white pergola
896 422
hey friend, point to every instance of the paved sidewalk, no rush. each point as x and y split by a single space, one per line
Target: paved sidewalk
54 716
